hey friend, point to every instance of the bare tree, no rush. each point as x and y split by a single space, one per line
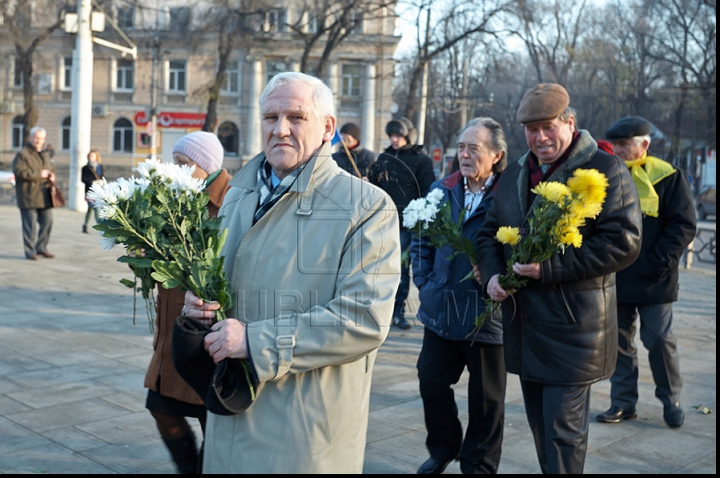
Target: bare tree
456 21
325 24
27 36
551 31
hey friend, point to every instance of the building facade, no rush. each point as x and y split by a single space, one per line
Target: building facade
178 54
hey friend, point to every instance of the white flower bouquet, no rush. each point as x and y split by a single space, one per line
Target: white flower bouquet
426 217
162 220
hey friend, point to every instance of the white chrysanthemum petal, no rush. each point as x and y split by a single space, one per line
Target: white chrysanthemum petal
107 243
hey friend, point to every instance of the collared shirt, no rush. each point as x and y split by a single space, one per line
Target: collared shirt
473 200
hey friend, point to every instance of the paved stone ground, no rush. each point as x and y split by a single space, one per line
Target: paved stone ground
72 365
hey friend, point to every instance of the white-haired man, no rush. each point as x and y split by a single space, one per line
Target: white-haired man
34 174
649 286
313 255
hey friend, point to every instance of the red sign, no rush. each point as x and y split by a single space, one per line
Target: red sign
437 154
173 120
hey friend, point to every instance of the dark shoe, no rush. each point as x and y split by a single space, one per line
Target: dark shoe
674 415
46 254
433 466
184 453
85 228
616 415
401 323
31 257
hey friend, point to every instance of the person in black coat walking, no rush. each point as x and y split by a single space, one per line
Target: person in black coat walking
90 173
650 285
405 173
560 330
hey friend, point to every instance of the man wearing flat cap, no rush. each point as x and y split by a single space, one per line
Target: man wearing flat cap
650 285
352 153
560 330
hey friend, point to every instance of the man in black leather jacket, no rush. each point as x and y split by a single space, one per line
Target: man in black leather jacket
560 330
405 173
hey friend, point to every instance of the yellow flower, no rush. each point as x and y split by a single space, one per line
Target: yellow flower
553 191
570 236
508 235
590 185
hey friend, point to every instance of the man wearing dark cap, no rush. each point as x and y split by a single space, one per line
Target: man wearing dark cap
405 173
650 285
560 330
351 152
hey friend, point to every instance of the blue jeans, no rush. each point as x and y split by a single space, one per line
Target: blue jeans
404 287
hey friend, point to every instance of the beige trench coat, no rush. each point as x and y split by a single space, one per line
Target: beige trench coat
315 281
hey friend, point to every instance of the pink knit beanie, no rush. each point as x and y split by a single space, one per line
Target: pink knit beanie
202 147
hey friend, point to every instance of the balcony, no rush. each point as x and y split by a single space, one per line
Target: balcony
125 97
351 104
174 99
64 95
228 100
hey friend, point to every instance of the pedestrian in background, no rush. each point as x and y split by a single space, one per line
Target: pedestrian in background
91 173
363 158
405 173
170 399
448 307
314 259
560 329
34 175
649 286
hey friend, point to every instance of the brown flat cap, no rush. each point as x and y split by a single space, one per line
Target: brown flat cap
542 102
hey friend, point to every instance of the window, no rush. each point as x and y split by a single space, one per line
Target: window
176 76
356 22
125 17
351 77
275 20
273 67
229 137
16 73
123 136
67 73
179 19
18 132
65 134
232 80
124 75
313 23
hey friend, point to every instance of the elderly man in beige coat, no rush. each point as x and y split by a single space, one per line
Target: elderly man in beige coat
314 257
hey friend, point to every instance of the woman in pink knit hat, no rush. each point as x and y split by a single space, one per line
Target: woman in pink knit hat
170 399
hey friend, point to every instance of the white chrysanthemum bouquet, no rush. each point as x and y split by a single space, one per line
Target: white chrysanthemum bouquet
162 220
426 217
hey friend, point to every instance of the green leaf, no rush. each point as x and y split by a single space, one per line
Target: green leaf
128 283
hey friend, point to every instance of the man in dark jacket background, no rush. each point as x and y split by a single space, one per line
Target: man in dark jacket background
363 158
650 285
405 173
560 330
34 174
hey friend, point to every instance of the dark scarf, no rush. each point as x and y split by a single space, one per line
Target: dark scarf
536 173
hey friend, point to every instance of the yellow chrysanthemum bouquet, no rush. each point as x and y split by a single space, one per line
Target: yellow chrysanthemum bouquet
554 224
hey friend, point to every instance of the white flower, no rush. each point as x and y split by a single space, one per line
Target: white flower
102 193
148 168
107 243
107 211
435 196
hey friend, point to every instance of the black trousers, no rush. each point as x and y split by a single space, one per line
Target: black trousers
559 419
440 365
